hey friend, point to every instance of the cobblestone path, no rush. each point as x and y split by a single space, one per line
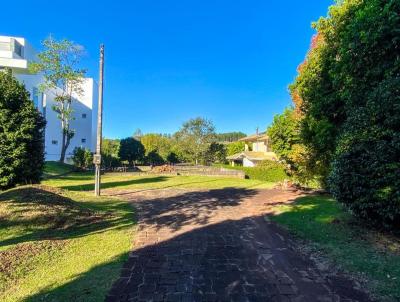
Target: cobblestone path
216 246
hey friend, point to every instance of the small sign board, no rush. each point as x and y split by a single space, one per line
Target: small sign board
97 159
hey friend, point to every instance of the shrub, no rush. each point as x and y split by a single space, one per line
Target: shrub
82 158
266 171
365 177
172 158
21 135
110 161
365 174
153 158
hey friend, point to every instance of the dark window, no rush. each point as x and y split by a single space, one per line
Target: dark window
18 48
54 142
83 140
83 115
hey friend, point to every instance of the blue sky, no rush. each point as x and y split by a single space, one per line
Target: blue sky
168 61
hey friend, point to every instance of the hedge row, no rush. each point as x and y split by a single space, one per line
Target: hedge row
267 171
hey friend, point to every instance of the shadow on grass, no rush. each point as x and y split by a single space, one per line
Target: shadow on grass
159 189
109 185
45 214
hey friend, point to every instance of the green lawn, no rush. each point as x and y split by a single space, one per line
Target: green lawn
60 243
85 182
357 249
57 245
54 168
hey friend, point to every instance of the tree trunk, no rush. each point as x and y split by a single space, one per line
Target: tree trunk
64 133
63 148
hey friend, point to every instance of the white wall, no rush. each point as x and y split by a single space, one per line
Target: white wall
259 147
248 163
82 105
86 103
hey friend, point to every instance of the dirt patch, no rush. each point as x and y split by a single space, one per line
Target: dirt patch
21 259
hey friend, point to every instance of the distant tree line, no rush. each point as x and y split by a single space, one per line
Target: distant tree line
196 142
229 137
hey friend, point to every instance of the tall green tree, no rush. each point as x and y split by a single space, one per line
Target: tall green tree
284 134
109 152
349 87
156 143
216 153
110 146
235 147
195 137
59 64
21 135
131 150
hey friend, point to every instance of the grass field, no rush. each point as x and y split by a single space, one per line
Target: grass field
85 182
60 243
54 168
57 245
329 229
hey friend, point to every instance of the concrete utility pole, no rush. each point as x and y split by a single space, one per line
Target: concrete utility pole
97 157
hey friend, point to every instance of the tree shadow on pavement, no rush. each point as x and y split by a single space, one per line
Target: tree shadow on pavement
234 260
193 208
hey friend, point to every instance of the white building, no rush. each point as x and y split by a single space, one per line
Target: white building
256 150
16 53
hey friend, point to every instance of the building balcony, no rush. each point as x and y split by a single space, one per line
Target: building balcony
12 53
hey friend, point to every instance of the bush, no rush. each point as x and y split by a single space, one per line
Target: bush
21 135
266 171
82 158
110 161
153 158
172 158
366 179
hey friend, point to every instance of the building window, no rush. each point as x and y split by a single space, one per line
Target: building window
54 142
18 48
83 115
83 140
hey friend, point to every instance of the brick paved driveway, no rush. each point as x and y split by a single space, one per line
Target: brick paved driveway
216 246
